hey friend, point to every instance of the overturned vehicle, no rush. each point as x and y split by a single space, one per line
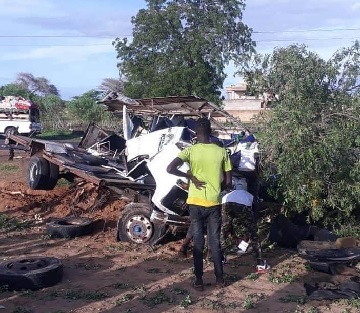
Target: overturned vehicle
133 165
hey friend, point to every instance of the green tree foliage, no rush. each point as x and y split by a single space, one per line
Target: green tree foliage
53 111
311 136
14 90
85 109
181 47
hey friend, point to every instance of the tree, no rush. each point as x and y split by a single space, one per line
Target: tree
181 47
14 90
311 136
84 108
53 113
112 84
36 85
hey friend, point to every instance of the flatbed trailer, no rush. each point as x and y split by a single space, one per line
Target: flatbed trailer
76 161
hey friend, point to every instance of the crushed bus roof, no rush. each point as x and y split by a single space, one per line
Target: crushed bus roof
167 106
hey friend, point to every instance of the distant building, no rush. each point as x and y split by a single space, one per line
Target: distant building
239 104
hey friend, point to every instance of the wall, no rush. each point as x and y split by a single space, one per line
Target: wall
245 109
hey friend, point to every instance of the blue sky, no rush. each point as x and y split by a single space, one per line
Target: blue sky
78 64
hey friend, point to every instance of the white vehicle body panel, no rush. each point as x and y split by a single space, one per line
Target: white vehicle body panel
150 144
164 180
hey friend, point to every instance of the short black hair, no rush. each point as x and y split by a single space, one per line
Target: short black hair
203 126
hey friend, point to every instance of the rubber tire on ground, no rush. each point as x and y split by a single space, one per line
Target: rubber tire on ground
140 212
69 227
38 172
30 273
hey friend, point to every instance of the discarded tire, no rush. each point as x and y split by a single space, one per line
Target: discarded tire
30 273
69 227
134 225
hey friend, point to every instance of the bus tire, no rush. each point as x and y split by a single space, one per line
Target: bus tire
53 176
69 227
33 272
38 173
134 225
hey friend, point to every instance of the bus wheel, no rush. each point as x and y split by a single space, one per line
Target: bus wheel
53 176
134 225
38 173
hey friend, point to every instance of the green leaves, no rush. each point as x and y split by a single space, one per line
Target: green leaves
311 135
181 48
84 108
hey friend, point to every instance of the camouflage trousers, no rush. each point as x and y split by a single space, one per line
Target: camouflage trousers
239 223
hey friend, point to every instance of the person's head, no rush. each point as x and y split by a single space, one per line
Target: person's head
203 127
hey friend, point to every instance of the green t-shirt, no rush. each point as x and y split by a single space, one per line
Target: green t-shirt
207 163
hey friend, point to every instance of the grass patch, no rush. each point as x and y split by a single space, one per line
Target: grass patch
88 267
21 309
293 298
219 305
27 293
91 295
63 182
186 302
158 298
124 298
251 300
282 278
180 291
354 303
8 168
253 276
282 274
156 271
10 224
122 286
60 135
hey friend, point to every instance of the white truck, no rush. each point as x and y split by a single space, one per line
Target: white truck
18 115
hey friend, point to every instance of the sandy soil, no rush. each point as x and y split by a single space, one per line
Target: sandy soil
103 275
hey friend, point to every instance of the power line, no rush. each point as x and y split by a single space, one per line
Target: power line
55 45
305 39
305 30
63 36
104 44
119 35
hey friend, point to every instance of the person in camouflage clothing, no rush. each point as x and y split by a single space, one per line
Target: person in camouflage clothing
239 223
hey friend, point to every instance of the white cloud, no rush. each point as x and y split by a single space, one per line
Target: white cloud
267 2
22 8
60 54
355 6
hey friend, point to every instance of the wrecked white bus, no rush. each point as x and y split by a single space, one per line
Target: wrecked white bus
133 166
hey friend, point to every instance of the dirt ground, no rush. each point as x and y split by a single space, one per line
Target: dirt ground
103 275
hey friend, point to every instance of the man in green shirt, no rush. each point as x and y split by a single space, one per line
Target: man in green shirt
209 164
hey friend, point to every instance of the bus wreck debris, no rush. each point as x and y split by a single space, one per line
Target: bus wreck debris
133 165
